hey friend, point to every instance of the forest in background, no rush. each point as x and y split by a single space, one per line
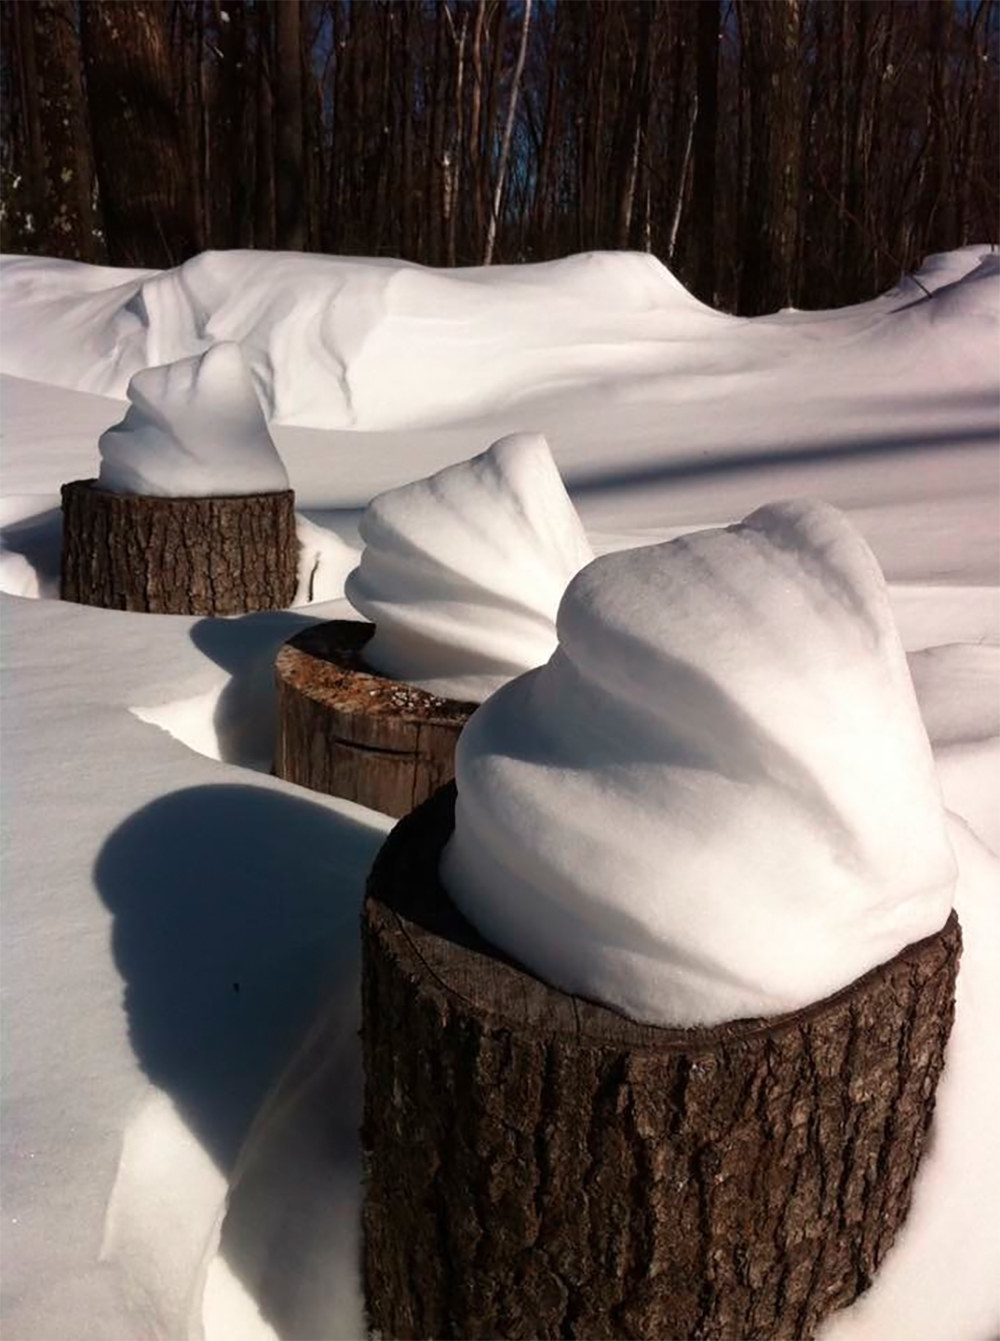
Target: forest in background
771 152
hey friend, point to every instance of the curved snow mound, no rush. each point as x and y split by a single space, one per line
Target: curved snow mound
462 573
193 429
341 343
717 800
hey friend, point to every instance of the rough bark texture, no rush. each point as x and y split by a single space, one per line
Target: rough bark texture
143 165
68 216
347 731
539 1166
178 556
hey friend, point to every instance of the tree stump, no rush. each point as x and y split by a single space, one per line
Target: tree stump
539 1166
345 730
178 556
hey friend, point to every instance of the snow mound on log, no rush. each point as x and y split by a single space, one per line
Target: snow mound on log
462 573
717 800
193 429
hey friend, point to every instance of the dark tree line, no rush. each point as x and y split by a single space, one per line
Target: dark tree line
771 152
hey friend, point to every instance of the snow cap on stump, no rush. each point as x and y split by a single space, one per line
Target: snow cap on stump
193 429
462 572
717 800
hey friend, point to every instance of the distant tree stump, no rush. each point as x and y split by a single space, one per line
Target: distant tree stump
345 730
178 556
540 1166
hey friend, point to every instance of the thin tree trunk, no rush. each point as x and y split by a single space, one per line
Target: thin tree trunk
485 176
703 202
453 179
475 114
682 185
508 131
545 192
264 135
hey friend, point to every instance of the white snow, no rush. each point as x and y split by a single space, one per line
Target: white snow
132 1072
462 573
717 800
193 429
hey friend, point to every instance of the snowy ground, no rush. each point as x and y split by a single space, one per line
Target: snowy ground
174 918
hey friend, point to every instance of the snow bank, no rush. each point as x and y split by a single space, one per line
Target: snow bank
462 573
341 342
336 342
717 800
194 429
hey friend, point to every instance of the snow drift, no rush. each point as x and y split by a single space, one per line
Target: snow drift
376 344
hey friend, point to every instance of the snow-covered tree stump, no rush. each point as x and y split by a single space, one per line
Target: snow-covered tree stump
347 731
178 556
539 1166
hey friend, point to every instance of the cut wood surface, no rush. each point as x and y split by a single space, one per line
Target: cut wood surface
178 556
539 1166
347 731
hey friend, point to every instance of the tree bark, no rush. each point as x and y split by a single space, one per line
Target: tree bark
540 1166
68 215
290 156
703 187
347 731
771 29
143 175
263 225
508 130
178 556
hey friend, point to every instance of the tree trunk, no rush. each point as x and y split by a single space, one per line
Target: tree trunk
33 155
508 130
178 556
347 731
68 216
289 159
143 175
263 226
771 29
703 191
540 1166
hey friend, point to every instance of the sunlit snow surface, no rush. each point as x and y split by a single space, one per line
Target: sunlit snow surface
173 921
462 573
716 801
193 428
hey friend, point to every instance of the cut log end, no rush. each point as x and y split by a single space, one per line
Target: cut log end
347 731
178 556
541 1166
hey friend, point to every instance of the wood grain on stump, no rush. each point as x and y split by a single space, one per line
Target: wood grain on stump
178 556
347 731
540 1166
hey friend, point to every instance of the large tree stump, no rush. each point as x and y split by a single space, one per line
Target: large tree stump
540 1166
178 556
345 730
